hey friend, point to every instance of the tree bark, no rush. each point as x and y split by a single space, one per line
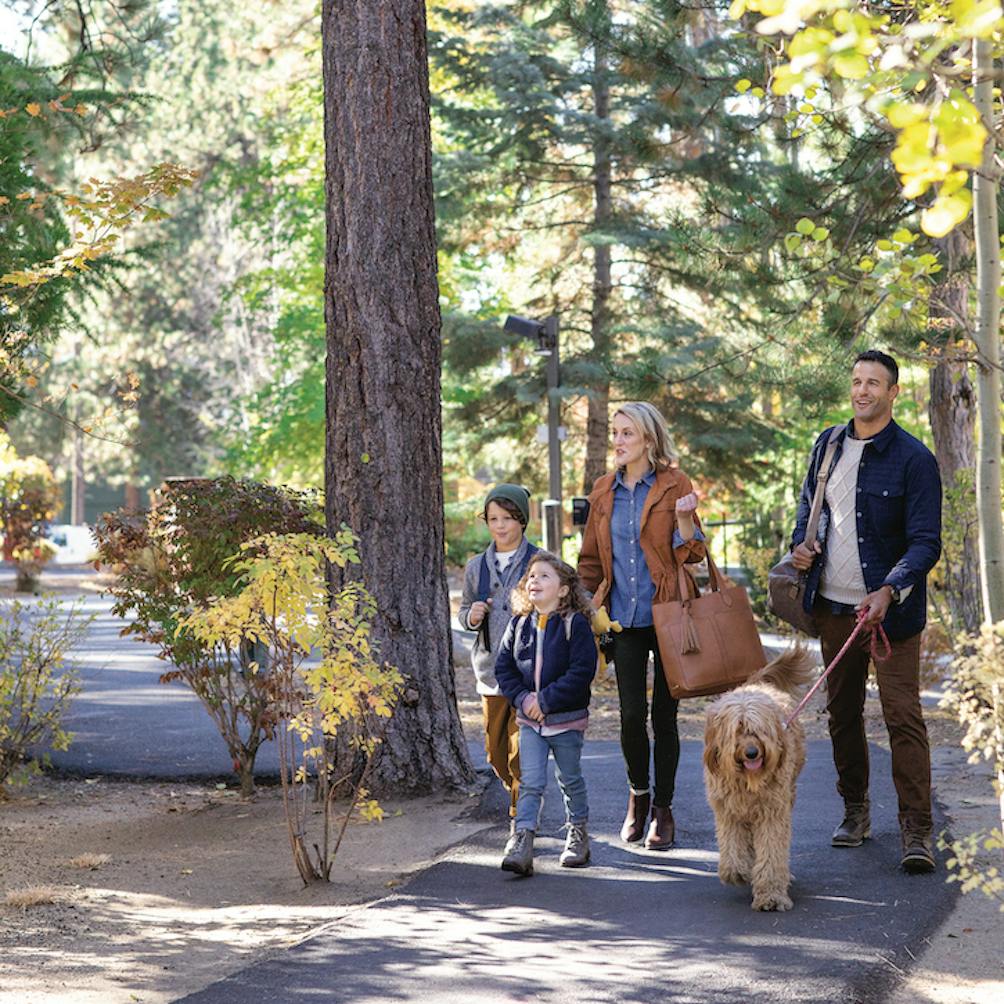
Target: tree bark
598 414
383 457
986 227
952 413
987 337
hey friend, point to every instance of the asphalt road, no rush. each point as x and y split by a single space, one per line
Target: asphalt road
636 927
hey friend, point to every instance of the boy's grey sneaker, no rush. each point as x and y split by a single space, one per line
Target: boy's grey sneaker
576 852
855 828
519 853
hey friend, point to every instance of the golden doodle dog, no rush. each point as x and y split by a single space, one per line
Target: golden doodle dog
751 764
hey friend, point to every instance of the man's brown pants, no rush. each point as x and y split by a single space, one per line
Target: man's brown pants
502 743
899 692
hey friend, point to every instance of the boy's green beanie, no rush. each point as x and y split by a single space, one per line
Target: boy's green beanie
516 494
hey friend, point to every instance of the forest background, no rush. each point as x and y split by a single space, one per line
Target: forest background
710 244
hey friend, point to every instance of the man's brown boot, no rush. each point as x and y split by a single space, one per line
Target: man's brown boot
856 827
637 815
918 852
662 831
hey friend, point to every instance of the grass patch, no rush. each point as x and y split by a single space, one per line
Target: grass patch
35 895
89 862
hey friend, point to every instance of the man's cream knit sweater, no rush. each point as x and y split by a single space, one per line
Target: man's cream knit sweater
842 579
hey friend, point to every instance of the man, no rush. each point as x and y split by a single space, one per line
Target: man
879 536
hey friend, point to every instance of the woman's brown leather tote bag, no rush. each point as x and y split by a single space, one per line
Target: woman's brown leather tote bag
709 643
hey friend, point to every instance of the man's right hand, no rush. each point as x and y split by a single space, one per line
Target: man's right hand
802 557
478 612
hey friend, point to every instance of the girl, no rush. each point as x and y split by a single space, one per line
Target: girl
544 668
641 526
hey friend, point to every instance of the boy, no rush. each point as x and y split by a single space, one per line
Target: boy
488 580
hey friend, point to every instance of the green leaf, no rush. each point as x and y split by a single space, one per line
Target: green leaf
744 85
805 226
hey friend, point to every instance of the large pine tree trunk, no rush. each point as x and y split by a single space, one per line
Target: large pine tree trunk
383 458
952 412
598 418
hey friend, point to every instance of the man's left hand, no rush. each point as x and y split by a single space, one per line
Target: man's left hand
876 605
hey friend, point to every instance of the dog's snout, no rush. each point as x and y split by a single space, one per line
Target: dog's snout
752 753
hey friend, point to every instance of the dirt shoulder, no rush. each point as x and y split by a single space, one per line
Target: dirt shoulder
195 884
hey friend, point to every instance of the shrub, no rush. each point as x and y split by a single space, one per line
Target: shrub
29 498
976 694
284 604
36 684
174 561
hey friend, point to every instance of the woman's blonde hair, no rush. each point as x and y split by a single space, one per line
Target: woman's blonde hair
576 600
650 423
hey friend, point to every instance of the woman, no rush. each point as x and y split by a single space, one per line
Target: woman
641 526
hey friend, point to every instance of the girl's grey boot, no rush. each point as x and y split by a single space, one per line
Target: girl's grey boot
576 852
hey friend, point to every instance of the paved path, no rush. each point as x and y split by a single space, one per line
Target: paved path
638 927
635 927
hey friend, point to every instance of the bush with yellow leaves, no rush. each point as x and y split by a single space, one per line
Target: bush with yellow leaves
327 676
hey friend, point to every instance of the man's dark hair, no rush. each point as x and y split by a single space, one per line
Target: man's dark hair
884 359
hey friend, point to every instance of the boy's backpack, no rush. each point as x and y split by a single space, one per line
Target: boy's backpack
485 585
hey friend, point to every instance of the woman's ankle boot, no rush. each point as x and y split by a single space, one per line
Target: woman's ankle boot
662 831
637 816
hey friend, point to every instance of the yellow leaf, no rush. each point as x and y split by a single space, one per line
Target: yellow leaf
4 200
905 113
961 134
850 65
947 213
34 109
81 109
976 18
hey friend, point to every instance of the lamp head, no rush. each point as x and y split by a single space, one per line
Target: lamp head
523 327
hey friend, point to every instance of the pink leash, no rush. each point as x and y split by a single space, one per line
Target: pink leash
876 630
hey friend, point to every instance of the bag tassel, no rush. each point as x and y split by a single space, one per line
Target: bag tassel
691 642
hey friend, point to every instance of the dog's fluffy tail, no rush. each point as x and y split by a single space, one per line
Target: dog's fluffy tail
791 671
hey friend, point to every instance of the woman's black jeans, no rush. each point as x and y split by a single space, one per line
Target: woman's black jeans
631 651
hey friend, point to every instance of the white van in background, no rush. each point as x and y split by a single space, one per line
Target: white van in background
75 544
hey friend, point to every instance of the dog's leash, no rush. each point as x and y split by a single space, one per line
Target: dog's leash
876 631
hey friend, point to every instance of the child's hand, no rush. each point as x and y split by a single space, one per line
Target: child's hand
532 709
478 612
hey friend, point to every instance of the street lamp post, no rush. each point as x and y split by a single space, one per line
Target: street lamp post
552 507
546 334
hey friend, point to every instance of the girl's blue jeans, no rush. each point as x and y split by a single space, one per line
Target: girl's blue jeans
533 752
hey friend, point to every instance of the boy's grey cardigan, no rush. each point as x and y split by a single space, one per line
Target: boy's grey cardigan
483 659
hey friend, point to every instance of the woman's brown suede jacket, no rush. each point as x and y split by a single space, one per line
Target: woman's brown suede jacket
658 521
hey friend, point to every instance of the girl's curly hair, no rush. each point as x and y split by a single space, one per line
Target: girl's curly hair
576 600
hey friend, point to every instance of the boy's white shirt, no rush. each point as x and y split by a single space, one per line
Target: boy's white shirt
502 558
